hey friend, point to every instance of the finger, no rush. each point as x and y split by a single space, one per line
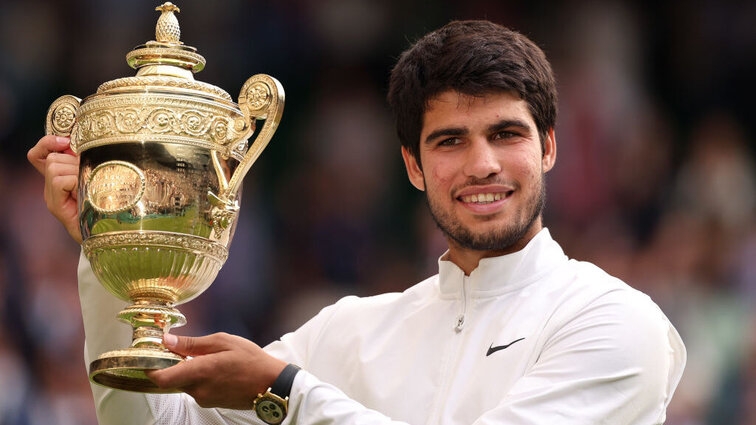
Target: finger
59 196
39 152
61 168
59 165
191 346
177 376
184 375
60 181
62 186
62 158
45 146
59 189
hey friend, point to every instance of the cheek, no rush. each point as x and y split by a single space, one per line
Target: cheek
526 168
439 178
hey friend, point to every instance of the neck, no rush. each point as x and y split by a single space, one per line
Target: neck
467 259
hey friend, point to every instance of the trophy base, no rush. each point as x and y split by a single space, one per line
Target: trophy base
124 369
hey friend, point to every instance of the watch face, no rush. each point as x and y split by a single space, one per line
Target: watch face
270 410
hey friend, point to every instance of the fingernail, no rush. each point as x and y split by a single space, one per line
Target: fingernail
61 140
170 340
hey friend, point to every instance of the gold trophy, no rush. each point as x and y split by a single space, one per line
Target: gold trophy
162 158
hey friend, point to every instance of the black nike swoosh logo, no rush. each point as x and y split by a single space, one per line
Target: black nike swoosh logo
493 349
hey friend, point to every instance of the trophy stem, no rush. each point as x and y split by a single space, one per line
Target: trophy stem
125 369
150 321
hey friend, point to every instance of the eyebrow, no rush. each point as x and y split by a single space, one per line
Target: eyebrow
508 123
461 131
449 131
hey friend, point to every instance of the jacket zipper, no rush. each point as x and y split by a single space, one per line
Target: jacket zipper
451 359
460 323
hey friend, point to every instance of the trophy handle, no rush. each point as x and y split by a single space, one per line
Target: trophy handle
62 119
261 98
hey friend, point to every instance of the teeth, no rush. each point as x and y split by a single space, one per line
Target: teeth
482 198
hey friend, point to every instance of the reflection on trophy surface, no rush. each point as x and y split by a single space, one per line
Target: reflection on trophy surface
162 157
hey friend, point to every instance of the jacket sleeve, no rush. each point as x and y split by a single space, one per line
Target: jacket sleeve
103 333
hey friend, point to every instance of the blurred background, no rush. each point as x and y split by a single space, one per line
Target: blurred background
655 179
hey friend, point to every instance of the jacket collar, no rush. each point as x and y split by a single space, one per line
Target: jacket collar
497 275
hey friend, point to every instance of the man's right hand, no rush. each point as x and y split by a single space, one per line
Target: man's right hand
53 157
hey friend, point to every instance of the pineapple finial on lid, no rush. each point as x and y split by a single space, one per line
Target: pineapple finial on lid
167 29
166 49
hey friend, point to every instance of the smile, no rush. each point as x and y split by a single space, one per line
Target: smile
482 198
485 201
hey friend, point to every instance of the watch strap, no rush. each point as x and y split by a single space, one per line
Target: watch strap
282 385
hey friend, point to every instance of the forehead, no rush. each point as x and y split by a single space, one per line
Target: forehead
452 108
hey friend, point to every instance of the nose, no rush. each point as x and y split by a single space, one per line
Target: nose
481 160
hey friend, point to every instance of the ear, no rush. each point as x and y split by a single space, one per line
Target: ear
549 151
414 172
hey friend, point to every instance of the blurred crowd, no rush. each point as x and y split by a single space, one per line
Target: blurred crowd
655 178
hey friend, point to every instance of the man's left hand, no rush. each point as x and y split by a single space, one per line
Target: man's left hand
225 371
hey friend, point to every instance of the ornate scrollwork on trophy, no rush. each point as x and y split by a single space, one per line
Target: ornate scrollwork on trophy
242 147
153 238
103 121
195 123
256 97
128 121
223 213
61 116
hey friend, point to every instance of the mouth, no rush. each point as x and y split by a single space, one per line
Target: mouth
484 200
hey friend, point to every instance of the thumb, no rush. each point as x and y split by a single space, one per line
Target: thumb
194 346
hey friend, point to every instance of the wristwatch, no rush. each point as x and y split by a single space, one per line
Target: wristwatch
273 405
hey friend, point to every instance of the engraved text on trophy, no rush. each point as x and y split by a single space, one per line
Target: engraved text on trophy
115 186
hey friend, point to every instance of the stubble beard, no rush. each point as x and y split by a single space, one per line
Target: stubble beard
501 238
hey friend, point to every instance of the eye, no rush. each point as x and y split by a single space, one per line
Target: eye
505 135
451 141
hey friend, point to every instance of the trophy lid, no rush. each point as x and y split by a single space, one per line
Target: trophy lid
165 61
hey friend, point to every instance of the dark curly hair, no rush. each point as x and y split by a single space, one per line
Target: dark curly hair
475 58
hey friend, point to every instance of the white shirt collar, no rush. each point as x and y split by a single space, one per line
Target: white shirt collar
496 275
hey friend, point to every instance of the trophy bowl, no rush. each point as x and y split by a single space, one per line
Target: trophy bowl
162 158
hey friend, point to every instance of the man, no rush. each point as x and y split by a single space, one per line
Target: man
509 332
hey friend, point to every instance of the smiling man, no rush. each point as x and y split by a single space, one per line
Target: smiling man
482 170
510 331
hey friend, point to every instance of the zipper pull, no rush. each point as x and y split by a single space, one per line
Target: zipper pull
461 318
460 323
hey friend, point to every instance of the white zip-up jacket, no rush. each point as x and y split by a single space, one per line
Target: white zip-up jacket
528 338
